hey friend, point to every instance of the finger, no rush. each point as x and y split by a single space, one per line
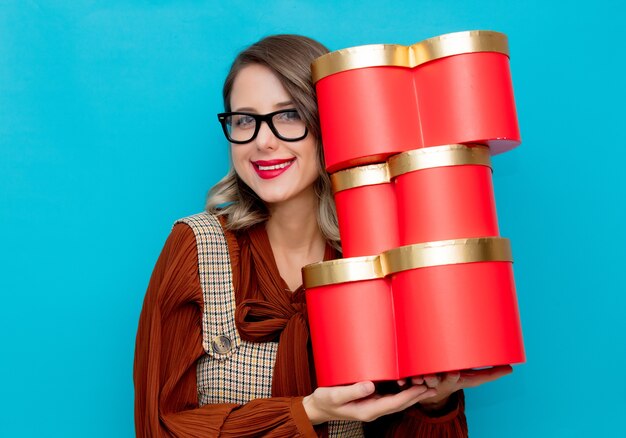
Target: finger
417 380
451 378
432 380
422 395
430 392
371 408
498 371
401 382
449 383
340 395
472 378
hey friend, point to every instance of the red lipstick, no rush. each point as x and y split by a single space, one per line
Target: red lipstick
268 169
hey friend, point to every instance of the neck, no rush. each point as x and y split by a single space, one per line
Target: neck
295 237
293 226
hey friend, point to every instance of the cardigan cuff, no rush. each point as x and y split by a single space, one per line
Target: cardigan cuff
301 419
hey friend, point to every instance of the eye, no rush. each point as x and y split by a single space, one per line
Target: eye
289 116
243 121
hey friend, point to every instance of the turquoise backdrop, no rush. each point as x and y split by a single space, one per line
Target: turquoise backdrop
108 134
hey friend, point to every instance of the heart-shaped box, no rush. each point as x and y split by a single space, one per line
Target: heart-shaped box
379 100
414 310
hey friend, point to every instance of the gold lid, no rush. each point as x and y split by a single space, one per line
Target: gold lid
438 156
377 55
360 176
456 43
371 55
341 271
446 252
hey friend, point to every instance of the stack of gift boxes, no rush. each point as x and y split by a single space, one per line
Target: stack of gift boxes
426 283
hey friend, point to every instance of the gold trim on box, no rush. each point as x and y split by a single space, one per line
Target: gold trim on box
341 271
378 55
371 55
360 176
446 252
457 43
439 156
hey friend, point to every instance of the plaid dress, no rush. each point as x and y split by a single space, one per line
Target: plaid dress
232 370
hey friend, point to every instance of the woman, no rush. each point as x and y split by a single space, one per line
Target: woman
222 344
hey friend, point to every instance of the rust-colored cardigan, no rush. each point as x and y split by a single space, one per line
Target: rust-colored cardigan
169 342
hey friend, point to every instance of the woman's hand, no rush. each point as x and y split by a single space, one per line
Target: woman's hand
448 383
360 402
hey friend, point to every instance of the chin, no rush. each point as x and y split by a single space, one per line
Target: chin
277 197
284 190
274 198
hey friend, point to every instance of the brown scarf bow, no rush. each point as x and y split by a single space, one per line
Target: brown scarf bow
264 321
270 312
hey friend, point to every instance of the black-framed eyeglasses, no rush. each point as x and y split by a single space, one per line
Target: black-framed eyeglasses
241 127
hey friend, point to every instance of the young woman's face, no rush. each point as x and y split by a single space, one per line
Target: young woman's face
275 169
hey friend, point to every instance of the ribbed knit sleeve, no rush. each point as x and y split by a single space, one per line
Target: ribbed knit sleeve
168 345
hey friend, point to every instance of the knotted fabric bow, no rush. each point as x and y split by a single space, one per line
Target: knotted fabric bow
274 314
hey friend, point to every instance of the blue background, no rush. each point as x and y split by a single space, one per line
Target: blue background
108 134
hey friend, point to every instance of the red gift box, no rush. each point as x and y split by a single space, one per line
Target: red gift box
378 100
351 321
455 305
444 192
417 309
366 210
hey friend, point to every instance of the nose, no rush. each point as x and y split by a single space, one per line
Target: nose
265 138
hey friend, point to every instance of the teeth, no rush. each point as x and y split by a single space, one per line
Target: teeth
275 167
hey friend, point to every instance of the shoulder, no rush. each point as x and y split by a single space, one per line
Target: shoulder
187 233
210 232
204 219
206 223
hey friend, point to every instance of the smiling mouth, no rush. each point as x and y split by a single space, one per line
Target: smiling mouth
272 164
269 169
275 166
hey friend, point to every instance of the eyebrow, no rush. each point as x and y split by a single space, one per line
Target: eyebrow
252 110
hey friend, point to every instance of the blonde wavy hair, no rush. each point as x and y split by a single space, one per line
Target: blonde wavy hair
290 57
